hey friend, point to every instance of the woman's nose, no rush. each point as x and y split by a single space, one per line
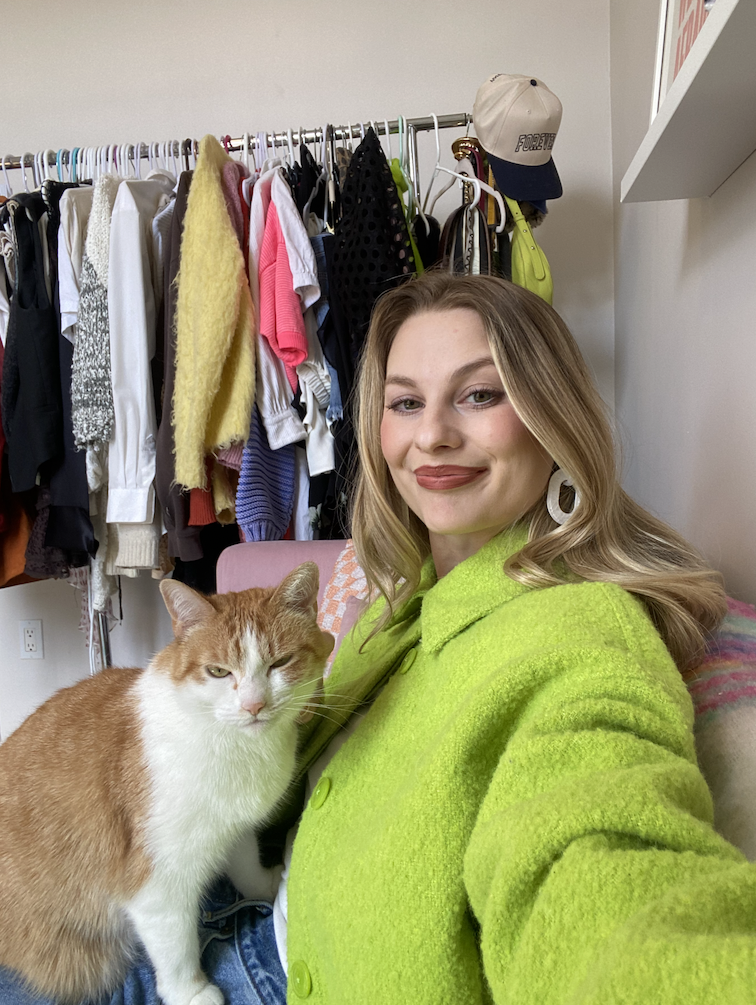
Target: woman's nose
437 429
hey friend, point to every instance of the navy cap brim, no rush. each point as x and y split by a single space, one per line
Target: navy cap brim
531 184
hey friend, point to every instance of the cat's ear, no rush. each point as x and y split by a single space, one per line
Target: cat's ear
186 607
300 588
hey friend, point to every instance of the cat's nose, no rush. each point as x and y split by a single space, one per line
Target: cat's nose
253 707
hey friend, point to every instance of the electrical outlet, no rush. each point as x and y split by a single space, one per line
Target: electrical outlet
32 646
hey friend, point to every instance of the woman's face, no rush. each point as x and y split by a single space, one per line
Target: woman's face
458 453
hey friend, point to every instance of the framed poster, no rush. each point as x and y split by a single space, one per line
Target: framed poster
679 24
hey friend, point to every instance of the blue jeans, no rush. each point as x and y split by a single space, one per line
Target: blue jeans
239 954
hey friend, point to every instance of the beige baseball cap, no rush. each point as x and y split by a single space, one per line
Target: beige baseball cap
516 119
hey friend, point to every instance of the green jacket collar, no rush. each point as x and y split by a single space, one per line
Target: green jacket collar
359 673
471 590
438 610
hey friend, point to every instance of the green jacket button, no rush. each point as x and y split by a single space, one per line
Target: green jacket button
299 978
408 660
320 793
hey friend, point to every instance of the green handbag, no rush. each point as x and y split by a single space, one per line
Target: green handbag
529 265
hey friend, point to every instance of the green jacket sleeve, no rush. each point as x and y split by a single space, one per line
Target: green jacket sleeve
593 868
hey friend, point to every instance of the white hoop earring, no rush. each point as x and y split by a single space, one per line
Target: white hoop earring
553 504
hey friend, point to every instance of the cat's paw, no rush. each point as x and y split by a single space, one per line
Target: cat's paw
209 995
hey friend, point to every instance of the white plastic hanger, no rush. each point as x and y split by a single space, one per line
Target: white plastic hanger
400 121
40 168
413 207
23 169
437 166
464 172
480 186
462 165
463 169
260 150
37 169
388 140
320 180
330 184
8 187
290 144
50 164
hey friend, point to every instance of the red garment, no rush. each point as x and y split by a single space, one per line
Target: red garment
245 221
201 509
232 175
15 522
281 321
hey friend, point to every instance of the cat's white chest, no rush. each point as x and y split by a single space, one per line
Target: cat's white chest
207 780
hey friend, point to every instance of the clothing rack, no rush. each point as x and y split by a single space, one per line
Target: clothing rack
177 149
185 149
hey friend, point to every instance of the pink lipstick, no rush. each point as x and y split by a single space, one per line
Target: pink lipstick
445 476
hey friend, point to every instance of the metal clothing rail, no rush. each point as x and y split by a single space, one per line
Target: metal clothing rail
177 149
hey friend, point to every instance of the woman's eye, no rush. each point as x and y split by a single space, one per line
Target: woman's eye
405 405
218 671
483 396
281 662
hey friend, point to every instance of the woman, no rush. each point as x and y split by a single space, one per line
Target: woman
517 815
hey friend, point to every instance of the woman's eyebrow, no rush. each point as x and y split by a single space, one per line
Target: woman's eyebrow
462 371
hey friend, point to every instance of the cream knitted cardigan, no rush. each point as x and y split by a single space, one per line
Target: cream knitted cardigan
215 365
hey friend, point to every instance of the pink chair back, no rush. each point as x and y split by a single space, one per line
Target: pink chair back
265 563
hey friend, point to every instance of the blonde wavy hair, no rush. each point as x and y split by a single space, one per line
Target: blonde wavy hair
608 537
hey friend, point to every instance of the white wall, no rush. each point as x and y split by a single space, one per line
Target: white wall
685 346
143 71
24 684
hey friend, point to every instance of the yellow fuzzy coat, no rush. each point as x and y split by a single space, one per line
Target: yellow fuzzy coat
215 363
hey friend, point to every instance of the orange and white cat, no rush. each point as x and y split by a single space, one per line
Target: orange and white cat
123 796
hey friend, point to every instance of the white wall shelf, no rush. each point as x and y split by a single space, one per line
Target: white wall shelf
706 125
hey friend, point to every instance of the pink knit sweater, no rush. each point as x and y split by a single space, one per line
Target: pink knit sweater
281 321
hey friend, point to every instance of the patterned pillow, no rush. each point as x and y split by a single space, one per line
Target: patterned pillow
343 598
727 675
723 689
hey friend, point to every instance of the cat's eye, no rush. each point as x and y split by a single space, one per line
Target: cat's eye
218 671
281 661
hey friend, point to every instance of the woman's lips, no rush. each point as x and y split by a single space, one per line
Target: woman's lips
445 476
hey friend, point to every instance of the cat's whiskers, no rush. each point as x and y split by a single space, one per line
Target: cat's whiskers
329 718
317 708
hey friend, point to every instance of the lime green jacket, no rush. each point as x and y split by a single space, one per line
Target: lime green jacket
519 816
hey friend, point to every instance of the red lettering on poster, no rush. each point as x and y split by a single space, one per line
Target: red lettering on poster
691 19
